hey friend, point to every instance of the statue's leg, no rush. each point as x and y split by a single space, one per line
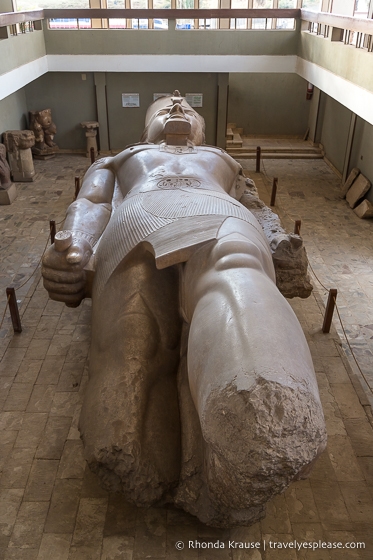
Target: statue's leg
250 372
130 417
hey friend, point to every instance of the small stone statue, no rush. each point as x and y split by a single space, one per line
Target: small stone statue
202 391
7 190
18 144
44 130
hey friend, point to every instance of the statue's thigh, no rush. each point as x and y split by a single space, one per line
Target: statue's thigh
137 309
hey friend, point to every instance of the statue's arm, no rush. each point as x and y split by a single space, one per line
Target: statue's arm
89 215
288 252
86 219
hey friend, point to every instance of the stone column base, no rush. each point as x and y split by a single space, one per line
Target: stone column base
8 195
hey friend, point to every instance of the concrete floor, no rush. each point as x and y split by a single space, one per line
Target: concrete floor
52 507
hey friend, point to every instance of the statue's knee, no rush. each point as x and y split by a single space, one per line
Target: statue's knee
235 251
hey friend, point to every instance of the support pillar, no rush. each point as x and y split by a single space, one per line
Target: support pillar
350 141
222 110
102 116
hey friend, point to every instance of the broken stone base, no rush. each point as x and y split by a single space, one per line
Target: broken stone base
359 188
45 153
364 210
350 179
7 196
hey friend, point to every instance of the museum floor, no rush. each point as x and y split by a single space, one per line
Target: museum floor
51 506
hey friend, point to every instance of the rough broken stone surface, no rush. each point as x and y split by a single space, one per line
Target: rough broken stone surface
350 179
364 210
359 188
288 252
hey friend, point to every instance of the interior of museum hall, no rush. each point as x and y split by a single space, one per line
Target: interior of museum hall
285 88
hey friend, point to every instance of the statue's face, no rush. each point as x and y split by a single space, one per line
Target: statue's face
45 118
176 111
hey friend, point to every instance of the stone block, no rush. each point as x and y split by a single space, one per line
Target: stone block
359 188
28 529
40 483
350 179
64 506
54 546
364 210
90 522
7 196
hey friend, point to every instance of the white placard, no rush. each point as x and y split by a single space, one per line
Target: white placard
158 95
194 99
130 100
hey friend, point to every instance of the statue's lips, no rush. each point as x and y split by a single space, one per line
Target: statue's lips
177 125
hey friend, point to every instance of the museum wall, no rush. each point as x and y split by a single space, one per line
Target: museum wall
72 100
332 130
13 112
268 103
21 49
126 124
362 149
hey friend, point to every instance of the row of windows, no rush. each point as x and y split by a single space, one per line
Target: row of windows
239 23
167 4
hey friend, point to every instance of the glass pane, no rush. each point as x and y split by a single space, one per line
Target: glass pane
61 23
117 23
139 4
285 23
361 8
115 4
184 4
139 24
185 24
160 23
161 4
265 4
84 23
287 4
208 24
239 4
34 4
314 5
241 23
261 23
208 4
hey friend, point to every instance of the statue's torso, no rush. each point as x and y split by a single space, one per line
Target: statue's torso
172 201
153 167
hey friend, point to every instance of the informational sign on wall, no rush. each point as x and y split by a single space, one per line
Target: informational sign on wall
158 95
194 99
130 100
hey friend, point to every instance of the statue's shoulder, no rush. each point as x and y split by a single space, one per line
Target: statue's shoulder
131 150
215 150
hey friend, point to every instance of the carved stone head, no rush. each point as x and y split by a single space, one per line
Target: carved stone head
174 118
18 140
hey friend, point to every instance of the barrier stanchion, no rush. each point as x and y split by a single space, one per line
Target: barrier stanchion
52 227
297 225
77 186
13 308
329 310
258 153
274 191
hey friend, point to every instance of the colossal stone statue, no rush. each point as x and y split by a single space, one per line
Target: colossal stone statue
202 390
44 130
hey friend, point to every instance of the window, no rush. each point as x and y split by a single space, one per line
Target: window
58 4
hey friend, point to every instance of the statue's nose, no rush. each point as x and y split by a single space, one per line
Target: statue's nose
177 109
